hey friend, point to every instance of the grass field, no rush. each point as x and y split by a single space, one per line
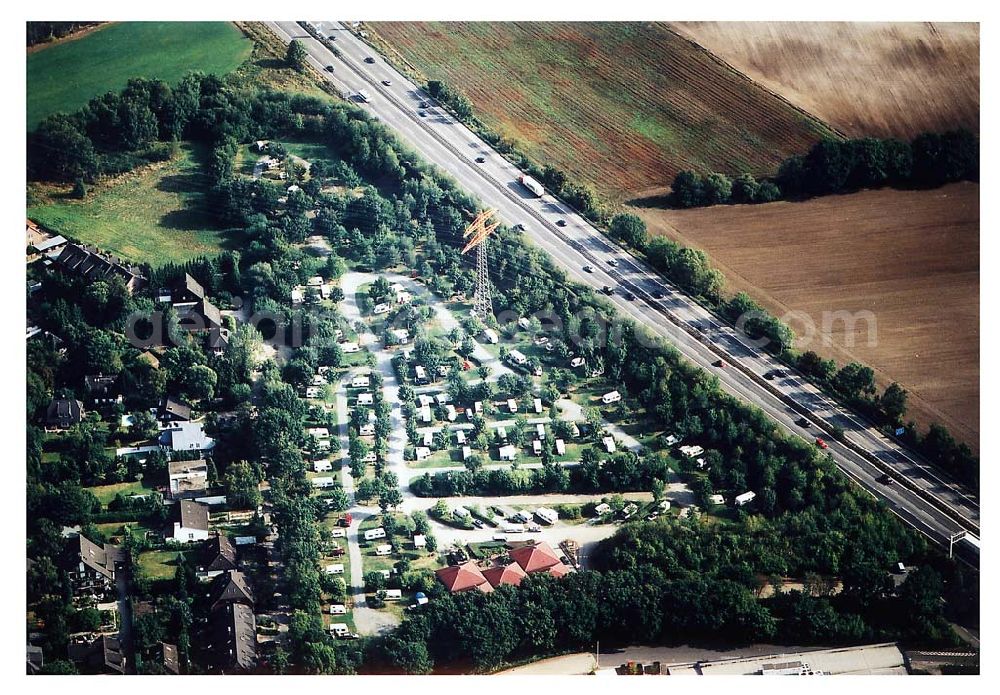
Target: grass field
910 257
65 76
161 564
863 78
106 493
621 106
156 214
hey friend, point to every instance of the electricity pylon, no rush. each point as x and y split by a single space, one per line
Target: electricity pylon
477 234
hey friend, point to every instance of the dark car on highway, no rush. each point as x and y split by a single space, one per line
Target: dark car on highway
561 223
885 479
658 295
608 290
369 59
628 295
802 422
421 113
480 160
329 68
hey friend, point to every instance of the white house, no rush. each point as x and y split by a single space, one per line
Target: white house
318 432
549 516
540 430
322 482
350 347
381 309
423 453
460 436
538 405
517 357
490 336
428 439
338 533
508 453
361 381
297 295
419 540
466 452
193 525
337 568
393 595
373 533
512 405
609 444
384 549
451 413
524 322
425 414
420 374
322 466
560 447
442 398
460 513
577 362
671 440
502 433
338 609
425 399
745 498
401 335
367 429
611 397
339 629
716 499
536 447
365 398
314 281
602 509
313 392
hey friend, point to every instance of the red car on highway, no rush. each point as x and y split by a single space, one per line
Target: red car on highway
821 444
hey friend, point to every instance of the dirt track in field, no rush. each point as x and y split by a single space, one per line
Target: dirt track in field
882 79
909 257
620 106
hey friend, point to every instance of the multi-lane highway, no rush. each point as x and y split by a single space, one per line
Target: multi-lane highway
920 495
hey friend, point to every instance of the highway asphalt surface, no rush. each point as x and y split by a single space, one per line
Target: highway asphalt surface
920 495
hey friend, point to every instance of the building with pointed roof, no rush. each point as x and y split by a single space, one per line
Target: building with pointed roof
92 566
218 556
535 558
193 524
231 587
463 577
505 574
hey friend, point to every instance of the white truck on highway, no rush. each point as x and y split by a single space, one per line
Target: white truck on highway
531 185
363 95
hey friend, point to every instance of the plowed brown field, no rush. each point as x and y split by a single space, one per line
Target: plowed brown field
620 106
863 78
909 257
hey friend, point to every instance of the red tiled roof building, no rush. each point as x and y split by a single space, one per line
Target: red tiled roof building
463 577
535 558
509 574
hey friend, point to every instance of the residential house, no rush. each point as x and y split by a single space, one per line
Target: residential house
186 436
539 557
218 555
187 479
103 654
93 265
101 389
231 587
92 566
322 466
745 498
186 290
174 410
609 444
505 574
233 635
560 447
63 413
193 524
508 453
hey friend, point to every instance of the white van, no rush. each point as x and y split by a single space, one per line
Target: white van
373 533
611 397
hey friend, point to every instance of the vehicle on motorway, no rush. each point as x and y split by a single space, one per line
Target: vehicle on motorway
561 223
719 363
369 59
608 290
480 160
387 83
822 444
421 113
628 295
885 479
658 295
613 262
424 105
332 37
518 227
588 268
531 185
329 68
802 422
363 95
769 375
477 523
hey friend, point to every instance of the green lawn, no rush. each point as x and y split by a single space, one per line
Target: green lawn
157 214
106 493
161 564
65 76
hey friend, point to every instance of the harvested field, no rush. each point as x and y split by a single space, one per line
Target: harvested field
910 257
620 106
863 78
